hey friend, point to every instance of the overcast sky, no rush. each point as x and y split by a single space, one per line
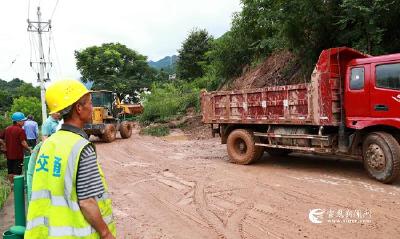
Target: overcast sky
155 28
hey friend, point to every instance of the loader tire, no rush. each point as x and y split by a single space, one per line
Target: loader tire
125 129
241 147
278 152
381 154
109 133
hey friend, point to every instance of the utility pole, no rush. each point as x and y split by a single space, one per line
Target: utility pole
40 27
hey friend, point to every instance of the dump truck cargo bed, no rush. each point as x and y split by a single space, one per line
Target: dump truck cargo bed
314 103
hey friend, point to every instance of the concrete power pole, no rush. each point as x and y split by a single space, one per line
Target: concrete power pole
40 27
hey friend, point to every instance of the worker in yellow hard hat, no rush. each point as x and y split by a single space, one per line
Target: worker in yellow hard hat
69 193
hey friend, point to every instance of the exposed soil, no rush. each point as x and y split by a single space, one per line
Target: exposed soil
281 68
173 187
195 129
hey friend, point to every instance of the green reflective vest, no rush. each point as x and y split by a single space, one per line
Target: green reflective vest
54 211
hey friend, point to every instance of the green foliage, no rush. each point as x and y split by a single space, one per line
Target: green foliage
158 131
14 89
305 27
367 23
169 100
5 122
192 55
115 67
28 91
5 186
28 106
228 56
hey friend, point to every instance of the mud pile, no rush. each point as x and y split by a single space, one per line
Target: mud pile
281 68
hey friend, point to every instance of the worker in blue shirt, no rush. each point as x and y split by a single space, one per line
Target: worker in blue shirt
32 131
50 125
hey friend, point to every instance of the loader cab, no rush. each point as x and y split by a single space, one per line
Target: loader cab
102 98
372 92
102 102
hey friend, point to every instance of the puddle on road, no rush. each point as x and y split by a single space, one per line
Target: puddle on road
175 135
172 138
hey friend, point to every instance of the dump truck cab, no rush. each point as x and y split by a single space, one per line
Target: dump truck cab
372 92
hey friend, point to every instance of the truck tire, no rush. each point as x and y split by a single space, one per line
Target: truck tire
381 154
109 133
125 129
241 148
278 152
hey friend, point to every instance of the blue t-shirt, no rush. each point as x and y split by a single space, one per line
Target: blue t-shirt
31 129
49 127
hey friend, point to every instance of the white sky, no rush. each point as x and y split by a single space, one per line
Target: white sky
154 28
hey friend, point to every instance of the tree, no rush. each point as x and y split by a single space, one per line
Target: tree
5 101
28 106
28 90
14 89
192 55
364 26
113 66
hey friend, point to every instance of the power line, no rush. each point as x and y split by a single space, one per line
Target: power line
29 7
54 10
59 68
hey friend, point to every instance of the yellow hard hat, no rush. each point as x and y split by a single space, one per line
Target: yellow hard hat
64 93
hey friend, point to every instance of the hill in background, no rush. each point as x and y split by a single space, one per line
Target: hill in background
167 63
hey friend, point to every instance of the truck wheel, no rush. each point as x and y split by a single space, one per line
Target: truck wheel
241 148
109 133
381 153
278 152
125 129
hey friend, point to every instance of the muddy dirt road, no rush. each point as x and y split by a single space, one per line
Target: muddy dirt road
177 188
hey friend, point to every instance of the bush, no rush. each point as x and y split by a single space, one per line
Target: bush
158 131
5 186
5 122
170 100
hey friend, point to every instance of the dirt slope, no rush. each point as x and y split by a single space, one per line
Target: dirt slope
281 68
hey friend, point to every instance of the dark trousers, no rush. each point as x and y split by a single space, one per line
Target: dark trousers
14 166
31 143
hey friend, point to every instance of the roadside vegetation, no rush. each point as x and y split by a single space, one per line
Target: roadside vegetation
5 186
16 95
155 130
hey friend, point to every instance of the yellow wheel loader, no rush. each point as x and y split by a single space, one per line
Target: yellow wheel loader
105 119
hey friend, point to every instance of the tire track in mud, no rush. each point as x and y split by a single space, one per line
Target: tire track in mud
231 227
201 207
205 197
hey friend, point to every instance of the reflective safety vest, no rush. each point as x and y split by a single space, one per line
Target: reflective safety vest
54 211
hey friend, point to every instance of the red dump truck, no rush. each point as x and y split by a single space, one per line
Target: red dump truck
351 107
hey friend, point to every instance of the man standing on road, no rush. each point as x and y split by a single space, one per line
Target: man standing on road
50 125
32 131
15 139
69 193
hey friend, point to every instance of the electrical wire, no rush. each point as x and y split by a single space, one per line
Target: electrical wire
55 7
59 68
29 8
36 59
